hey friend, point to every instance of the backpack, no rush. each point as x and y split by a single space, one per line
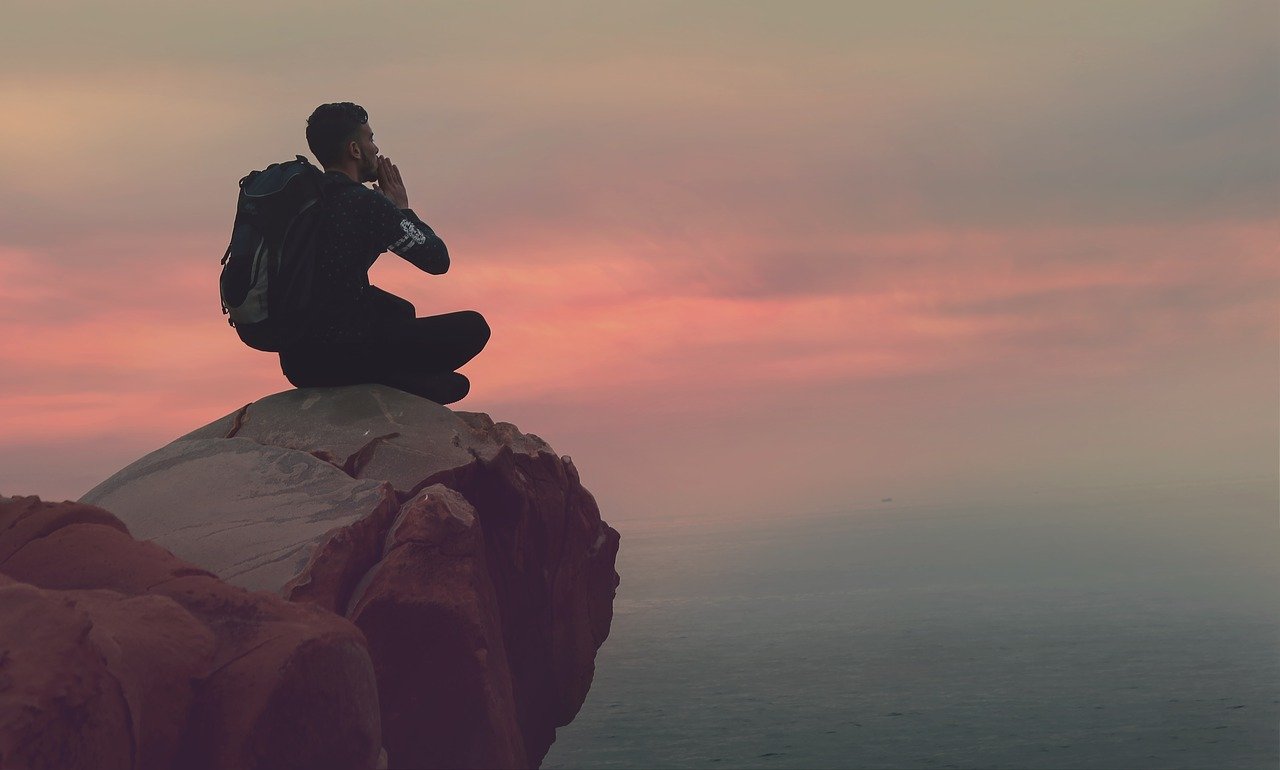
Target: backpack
266 281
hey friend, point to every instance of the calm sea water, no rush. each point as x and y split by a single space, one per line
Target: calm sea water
1122 628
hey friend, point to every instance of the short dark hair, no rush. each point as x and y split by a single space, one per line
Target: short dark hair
330 127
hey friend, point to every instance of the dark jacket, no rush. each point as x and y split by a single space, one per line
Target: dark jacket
357 226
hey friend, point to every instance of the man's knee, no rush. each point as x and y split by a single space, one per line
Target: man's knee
480 327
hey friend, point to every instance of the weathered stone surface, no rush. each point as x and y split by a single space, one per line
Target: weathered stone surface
353 499
115 653
250 513
372 431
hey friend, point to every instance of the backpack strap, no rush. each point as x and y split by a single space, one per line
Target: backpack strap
225 310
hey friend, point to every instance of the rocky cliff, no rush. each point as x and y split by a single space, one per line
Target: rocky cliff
468 555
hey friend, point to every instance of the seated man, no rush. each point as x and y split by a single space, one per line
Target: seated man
364 334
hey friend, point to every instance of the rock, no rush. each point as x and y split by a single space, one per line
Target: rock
252 514
432 619
468 552
371 432
115 653
60 707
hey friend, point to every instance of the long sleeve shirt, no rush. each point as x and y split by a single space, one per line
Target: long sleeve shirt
357 226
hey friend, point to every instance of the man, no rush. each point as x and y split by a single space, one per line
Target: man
364 334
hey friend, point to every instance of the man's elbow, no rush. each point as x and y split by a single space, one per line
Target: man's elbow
439 264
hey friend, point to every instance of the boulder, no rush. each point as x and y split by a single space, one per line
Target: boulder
116 653
249 513
468 552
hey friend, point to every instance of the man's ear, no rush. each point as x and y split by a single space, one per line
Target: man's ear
353 149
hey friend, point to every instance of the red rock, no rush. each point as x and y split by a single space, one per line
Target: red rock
96 556
551 559
157 652
170 667
434 628
60 706
23 519
342 558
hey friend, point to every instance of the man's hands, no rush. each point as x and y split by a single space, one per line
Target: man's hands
390 184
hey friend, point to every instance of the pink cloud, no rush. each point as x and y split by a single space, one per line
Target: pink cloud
94 348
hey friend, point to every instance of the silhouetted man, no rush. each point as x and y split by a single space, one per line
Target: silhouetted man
364 334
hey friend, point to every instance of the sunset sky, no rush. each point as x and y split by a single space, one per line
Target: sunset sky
738 258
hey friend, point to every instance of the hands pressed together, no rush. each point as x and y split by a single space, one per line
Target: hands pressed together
390 184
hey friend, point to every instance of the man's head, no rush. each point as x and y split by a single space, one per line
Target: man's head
340 138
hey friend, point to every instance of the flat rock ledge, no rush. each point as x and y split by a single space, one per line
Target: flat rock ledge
468 555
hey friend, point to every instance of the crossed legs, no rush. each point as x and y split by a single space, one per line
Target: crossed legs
416 355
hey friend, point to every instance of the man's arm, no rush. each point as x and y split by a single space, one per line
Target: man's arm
401 230
404 233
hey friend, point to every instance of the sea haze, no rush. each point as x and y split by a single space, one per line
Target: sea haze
1100 628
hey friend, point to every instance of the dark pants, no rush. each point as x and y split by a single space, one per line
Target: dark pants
416 355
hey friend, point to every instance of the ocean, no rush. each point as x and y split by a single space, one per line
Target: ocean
1127 627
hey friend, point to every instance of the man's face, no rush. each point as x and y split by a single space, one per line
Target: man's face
368 160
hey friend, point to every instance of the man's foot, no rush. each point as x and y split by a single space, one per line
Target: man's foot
442 388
